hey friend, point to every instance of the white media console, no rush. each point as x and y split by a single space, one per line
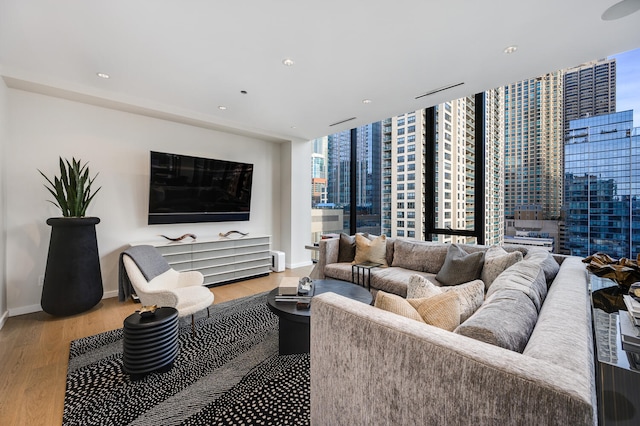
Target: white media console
220 259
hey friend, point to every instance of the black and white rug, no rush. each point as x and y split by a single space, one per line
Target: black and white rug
229 374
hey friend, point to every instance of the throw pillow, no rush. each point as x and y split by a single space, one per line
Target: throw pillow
470 295
546 261
496 260
419 256
527 277
396 304
506 319
371 250
347 248
442 310
459 266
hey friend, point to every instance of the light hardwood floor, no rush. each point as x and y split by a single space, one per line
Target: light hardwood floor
34 350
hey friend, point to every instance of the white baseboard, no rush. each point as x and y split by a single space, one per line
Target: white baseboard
3 319
37 308
110 294
299 265
24 310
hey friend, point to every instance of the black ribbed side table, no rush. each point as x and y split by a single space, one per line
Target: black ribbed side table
150 343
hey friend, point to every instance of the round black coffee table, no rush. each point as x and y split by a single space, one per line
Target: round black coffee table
294 322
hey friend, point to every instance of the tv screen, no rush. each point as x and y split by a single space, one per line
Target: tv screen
187 189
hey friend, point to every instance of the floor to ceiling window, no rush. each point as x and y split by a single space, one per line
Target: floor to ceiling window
501 167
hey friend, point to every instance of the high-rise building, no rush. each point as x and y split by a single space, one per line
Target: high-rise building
533 145
602 186
404 164
589 89
367 189
319 171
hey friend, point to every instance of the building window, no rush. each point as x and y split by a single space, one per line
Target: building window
401 131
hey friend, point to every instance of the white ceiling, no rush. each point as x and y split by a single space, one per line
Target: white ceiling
182 59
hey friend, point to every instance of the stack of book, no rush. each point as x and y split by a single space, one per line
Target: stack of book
289 291
630 325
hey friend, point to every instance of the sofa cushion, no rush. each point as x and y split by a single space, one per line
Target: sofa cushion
441 310
506 319
371 250
419 256
546 261
459 266
397 305
525 276
470 295
496 260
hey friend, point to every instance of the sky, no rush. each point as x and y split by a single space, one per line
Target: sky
628 83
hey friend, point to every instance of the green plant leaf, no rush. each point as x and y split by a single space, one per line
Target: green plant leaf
72 190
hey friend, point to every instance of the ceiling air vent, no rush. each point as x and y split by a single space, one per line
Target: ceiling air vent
440 89
343 121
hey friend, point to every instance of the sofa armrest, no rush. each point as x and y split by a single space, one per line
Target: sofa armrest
374 367
327 254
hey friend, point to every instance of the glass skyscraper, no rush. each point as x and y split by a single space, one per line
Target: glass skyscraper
602 186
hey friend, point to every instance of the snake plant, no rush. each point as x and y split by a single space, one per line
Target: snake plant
72 190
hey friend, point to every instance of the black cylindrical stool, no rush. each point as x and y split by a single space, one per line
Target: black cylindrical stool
151 342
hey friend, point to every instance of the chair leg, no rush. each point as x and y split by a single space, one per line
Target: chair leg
208 314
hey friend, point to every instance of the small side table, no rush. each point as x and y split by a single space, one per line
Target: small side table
361 273
150 343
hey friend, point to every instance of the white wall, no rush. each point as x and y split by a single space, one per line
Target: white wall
116 144
3 138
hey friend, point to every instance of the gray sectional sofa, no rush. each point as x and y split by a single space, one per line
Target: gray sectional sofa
373 367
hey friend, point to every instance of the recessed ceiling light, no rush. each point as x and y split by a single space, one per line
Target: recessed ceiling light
288 62
621 9
293 127
366 101
103 75
510 49
222 107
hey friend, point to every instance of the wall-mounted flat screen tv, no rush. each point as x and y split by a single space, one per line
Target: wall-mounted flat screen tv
187 189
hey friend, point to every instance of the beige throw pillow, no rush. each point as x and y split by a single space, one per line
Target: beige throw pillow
470 295
442 310
371 250
396 304
496 260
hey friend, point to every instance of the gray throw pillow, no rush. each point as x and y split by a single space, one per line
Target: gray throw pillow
546 261
459 266
347 248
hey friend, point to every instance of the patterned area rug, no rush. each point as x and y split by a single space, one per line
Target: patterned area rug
229 374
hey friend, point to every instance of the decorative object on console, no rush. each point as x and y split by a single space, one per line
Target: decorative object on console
193 237
226 234
72 280
623 271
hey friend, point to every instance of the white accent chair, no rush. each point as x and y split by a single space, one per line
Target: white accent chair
180 290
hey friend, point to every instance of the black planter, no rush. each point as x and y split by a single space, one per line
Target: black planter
72 280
